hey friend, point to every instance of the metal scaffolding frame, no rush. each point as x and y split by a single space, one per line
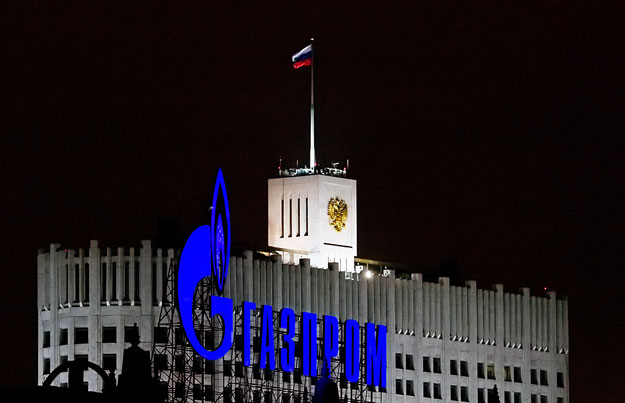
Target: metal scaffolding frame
188 377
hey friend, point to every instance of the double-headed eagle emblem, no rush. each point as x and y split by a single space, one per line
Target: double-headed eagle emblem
337 211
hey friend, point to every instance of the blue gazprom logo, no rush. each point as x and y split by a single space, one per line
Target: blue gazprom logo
207 253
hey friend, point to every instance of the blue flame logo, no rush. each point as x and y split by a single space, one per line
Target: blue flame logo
207 254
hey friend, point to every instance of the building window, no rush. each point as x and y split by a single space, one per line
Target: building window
507 397
398 361
46 340
109 362
399 387
426 389
437 365
426 364
543 378
129 333
179 390
490 371
517 397
480 395
290 217
409 362
63 337
109 334
160 362
453 367
507 374
534 398
197 392
464 393
517 375
543 398
560 379
480 370
46 366
453 392
179 363
197 364
282 218
298 217
160 335
560 399
533 377
437 391
464 368
81 335
410 388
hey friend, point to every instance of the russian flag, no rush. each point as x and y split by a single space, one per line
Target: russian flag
303 57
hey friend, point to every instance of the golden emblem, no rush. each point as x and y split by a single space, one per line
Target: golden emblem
337 211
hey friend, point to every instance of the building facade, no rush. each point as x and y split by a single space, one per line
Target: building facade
444 342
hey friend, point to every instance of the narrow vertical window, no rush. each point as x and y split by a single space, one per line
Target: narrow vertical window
306 233
290 217
282 218
298 217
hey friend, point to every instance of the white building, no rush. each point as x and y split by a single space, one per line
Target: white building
444 343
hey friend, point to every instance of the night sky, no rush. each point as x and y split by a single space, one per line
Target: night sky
488 133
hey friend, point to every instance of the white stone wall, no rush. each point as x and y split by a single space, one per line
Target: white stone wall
434 320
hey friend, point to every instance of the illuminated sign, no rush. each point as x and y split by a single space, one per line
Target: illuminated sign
207 254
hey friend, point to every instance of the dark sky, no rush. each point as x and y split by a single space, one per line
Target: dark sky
491 133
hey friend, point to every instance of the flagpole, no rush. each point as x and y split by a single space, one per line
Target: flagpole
312 109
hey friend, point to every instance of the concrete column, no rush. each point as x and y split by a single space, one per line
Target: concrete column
445 314
513 321
499 330
558 325
459 314
145 277
533 313
405 304
472 306
506 324
131 277
411 306
248 275
334 280
344 299
159 276
322 291
383 301
491 325
433 318
81 276
263 284
286 285
545 324
299 278
418 309
350 299
390 314
54 282
398 306
519 320
539 323
314 304
306 285
363 313
426 309
565 330
377 281
71 278
438 306
480 316
525 315
276 276
452 313
369 300
465 315
256 281
120 276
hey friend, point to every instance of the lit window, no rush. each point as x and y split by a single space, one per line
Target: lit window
490 371
399 389
398 361
480 370
507 374
453 367
426 364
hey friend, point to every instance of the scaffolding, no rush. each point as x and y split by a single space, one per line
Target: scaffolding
187 376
